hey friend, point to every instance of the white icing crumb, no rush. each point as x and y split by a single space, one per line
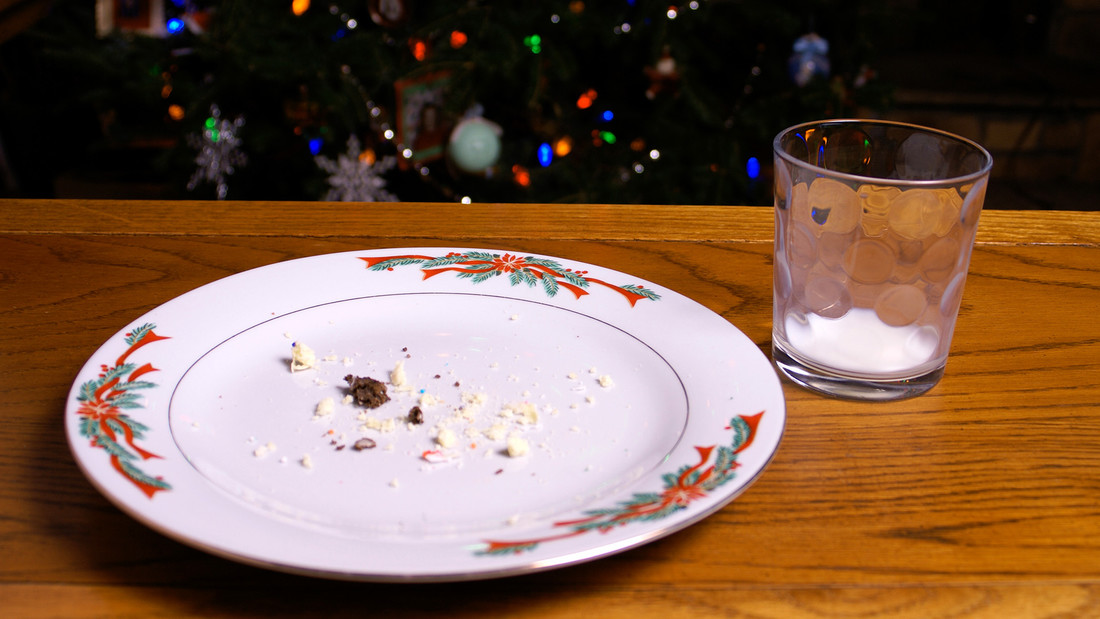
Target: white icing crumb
348 361
302 357
512 520
394 483
590 399
320 382
324 408
263 450
397 374
330 357
528 414
515 317
571 376
446 437
517 446
307 462
348 399
287 335
373 423
496 432
592 370
605 381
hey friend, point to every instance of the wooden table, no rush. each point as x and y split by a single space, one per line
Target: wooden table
981 498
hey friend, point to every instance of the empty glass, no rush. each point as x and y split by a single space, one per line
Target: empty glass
874 226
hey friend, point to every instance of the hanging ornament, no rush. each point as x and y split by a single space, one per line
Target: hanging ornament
219 147
389 13
664 77
474 146
357 176
809 60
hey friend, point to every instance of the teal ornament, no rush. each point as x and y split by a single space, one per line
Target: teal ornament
474 146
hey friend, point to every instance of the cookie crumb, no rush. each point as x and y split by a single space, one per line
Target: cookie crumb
367 391
517 446
364 443
302 357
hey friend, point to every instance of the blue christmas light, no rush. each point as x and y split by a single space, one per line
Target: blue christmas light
752 167
607 115
315 146
546 154
175 25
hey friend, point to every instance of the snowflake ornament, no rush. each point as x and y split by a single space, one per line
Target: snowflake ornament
219 149
357 179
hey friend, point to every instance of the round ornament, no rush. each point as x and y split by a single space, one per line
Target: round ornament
474 145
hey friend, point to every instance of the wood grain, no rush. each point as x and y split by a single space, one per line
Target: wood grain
979 499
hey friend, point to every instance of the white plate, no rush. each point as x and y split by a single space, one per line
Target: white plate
643 412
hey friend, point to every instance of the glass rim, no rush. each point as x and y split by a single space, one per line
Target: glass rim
987 163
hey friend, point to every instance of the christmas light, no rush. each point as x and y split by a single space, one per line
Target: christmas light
608 137
388 134
175 25
563 146
534 43
419 49
458 39
607 115
752 168
545 154
466 200
655 154
585 100
175 112
299 7
315 146
672 12
521 175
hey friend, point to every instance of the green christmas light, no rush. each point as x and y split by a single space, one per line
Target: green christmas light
533 42
607 137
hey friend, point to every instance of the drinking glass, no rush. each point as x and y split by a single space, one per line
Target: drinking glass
874 227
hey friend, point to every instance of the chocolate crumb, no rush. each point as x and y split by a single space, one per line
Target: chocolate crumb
339 447
438 376
367 391
416 416
364 443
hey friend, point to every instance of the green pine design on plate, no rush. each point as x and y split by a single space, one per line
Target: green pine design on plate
479 266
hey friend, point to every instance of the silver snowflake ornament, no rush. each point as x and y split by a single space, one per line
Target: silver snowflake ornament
220 154
356 179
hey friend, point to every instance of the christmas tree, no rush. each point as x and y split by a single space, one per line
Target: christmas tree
626 101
